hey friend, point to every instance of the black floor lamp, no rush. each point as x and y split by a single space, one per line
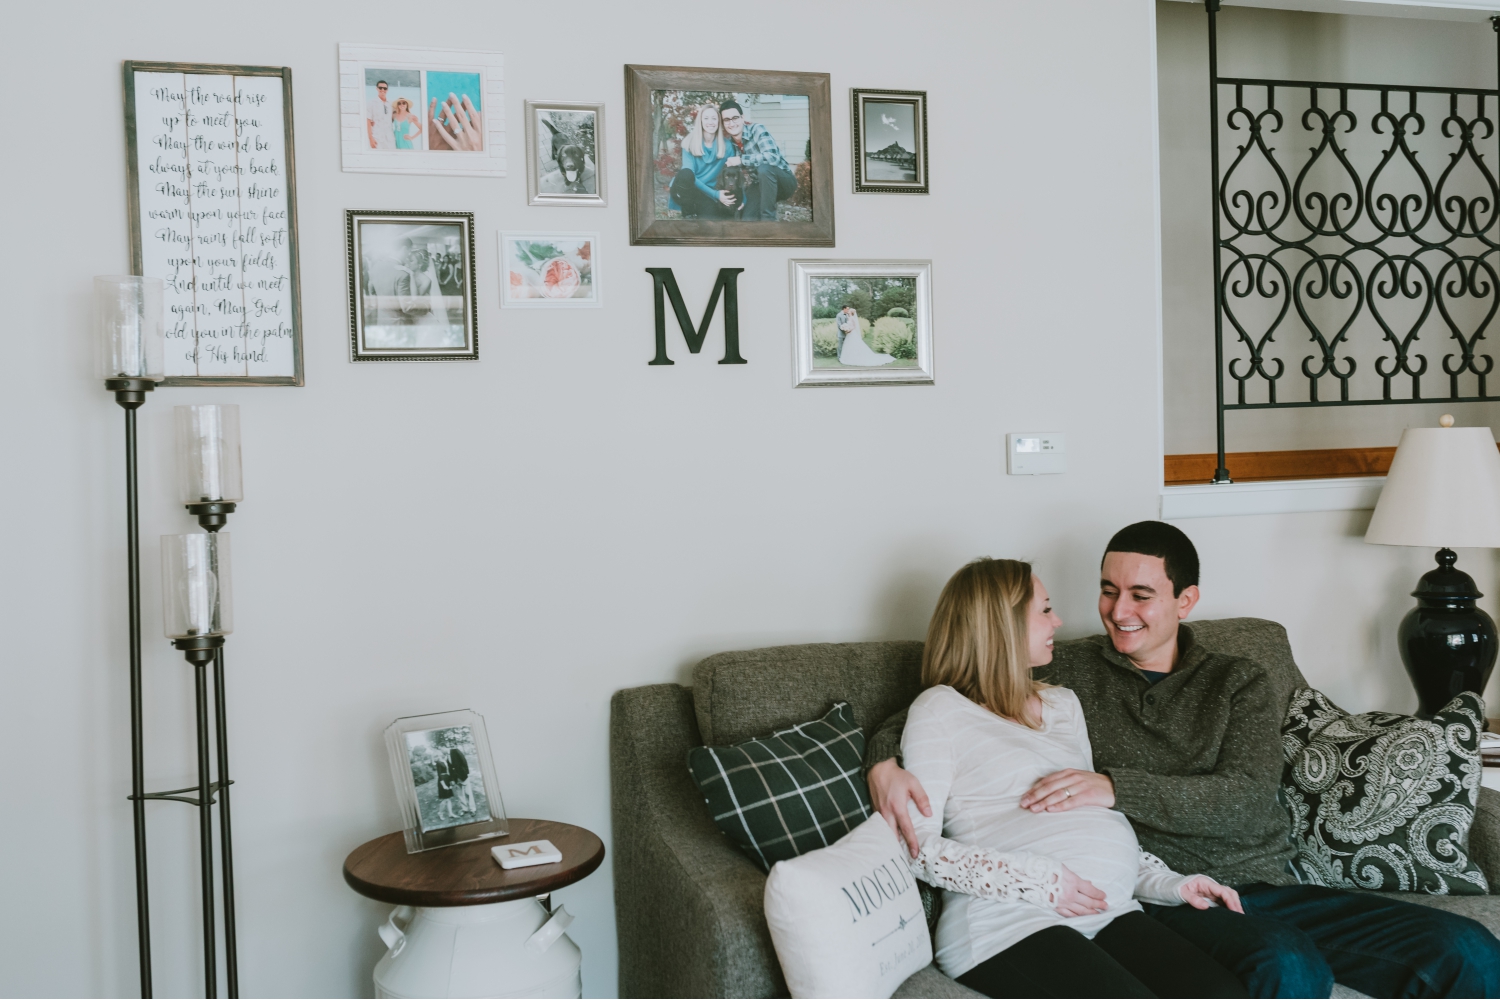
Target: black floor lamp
196 600
1443 492
197 615
129 313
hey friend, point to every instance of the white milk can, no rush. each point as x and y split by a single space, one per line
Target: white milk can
513 949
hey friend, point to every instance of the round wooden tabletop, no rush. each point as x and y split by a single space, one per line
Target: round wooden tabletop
467 874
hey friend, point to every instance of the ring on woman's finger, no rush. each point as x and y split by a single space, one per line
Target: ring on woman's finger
1068 792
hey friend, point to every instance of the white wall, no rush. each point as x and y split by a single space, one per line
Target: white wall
1280 44
527 534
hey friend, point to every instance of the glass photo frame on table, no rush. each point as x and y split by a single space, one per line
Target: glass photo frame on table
445 779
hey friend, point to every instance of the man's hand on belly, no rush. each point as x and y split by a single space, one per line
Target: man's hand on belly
1064 790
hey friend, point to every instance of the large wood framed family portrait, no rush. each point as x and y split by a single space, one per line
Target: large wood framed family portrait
728 157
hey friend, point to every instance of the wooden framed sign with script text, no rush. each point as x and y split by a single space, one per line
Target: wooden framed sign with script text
213 213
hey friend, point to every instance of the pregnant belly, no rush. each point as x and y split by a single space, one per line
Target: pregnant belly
1097 844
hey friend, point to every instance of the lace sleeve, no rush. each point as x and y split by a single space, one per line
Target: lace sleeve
1157 883
987 873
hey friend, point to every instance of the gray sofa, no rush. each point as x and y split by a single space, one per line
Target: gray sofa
688 902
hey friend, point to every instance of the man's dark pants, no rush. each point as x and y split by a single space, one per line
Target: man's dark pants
1297 940
772 184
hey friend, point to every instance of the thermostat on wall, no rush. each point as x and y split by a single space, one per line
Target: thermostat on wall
1035 454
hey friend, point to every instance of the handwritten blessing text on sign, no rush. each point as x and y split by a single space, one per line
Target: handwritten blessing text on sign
215 221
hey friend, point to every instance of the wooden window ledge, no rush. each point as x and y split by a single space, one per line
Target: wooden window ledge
1268 466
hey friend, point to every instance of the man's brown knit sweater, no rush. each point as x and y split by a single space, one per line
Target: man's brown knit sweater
1195 758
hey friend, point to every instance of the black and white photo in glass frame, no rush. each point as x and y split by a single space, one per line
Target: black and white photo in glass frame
411 286
445 779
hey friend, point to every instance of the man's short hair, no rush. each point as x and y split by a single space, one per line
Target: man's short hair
379 82
726 105
1165 542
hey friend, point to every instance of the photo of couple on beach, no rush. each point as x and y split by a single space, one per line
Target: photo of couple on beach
430 110
732 156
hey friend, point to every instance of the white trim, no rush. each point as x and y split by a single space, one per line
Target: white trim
1288 497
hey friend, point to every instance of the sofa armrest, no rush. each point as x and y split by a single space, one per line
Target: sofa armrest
689 906
1484 837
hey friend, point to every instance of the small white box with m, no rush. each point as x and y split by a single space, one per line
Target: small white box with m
1035 454
532 852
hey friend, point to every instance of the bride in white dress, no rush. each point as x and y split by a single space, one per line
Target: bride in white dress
858 354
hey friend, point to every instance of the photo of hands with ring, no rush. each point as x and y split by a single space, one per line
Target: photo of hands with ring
455 123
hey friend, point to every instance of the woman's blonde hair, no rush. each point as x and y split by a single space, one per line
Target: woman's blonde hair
977 641
400 101
694 140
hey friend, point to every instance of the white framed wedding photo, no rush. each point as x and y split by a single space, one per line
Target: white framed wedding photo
862 322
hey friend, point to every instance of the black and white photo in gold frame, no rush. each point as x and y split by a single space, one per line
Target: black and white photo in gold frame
211 194
411 286
890 141
862 322
728 157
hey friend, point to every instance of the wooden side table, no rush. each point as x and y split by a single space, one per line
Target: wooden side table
465 927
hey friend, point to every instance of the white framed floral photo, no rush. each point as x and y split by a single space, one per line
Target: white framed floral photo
549 271
862 322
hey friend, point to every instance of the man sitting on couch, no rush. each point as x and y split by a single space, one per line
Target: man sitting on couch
1188 746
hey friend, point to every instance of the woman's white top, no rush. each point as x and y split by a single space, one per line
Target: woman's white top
997 863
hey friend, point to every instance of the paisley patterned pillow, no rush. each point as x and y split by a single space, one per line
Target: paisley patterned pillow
1383 801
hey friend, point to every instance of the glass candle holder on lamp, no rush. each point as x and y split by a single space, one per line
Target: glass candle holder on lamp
208 461
128 311
197 605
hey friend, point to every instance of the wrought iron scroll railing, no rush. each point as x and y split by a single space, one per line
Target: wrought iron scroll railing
1357 239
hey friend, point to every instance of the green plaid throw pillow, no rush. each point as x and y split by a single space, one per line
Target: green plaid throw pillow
788 793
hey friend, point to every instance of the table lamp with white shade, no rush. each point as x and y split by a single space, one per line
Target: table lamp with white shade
1443 492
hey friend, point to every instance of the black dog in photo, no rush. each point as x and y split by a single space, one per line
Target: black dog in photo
573 166
740 182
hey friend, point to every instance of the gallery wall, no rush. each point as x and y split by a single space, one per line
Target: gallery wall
527 534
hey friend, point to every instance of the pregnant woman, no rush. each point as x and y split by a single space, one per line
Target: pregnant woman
1034 904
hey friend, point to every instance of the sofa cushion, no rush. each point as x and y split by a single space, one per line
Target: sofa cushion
1384 801
742 694
797 790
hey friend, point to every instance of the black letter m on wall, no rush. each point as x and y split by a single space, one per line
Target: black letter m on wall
727 284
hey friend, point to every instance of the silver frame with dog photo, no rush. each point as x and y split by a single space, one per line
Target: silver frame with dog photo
807 372
534 194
